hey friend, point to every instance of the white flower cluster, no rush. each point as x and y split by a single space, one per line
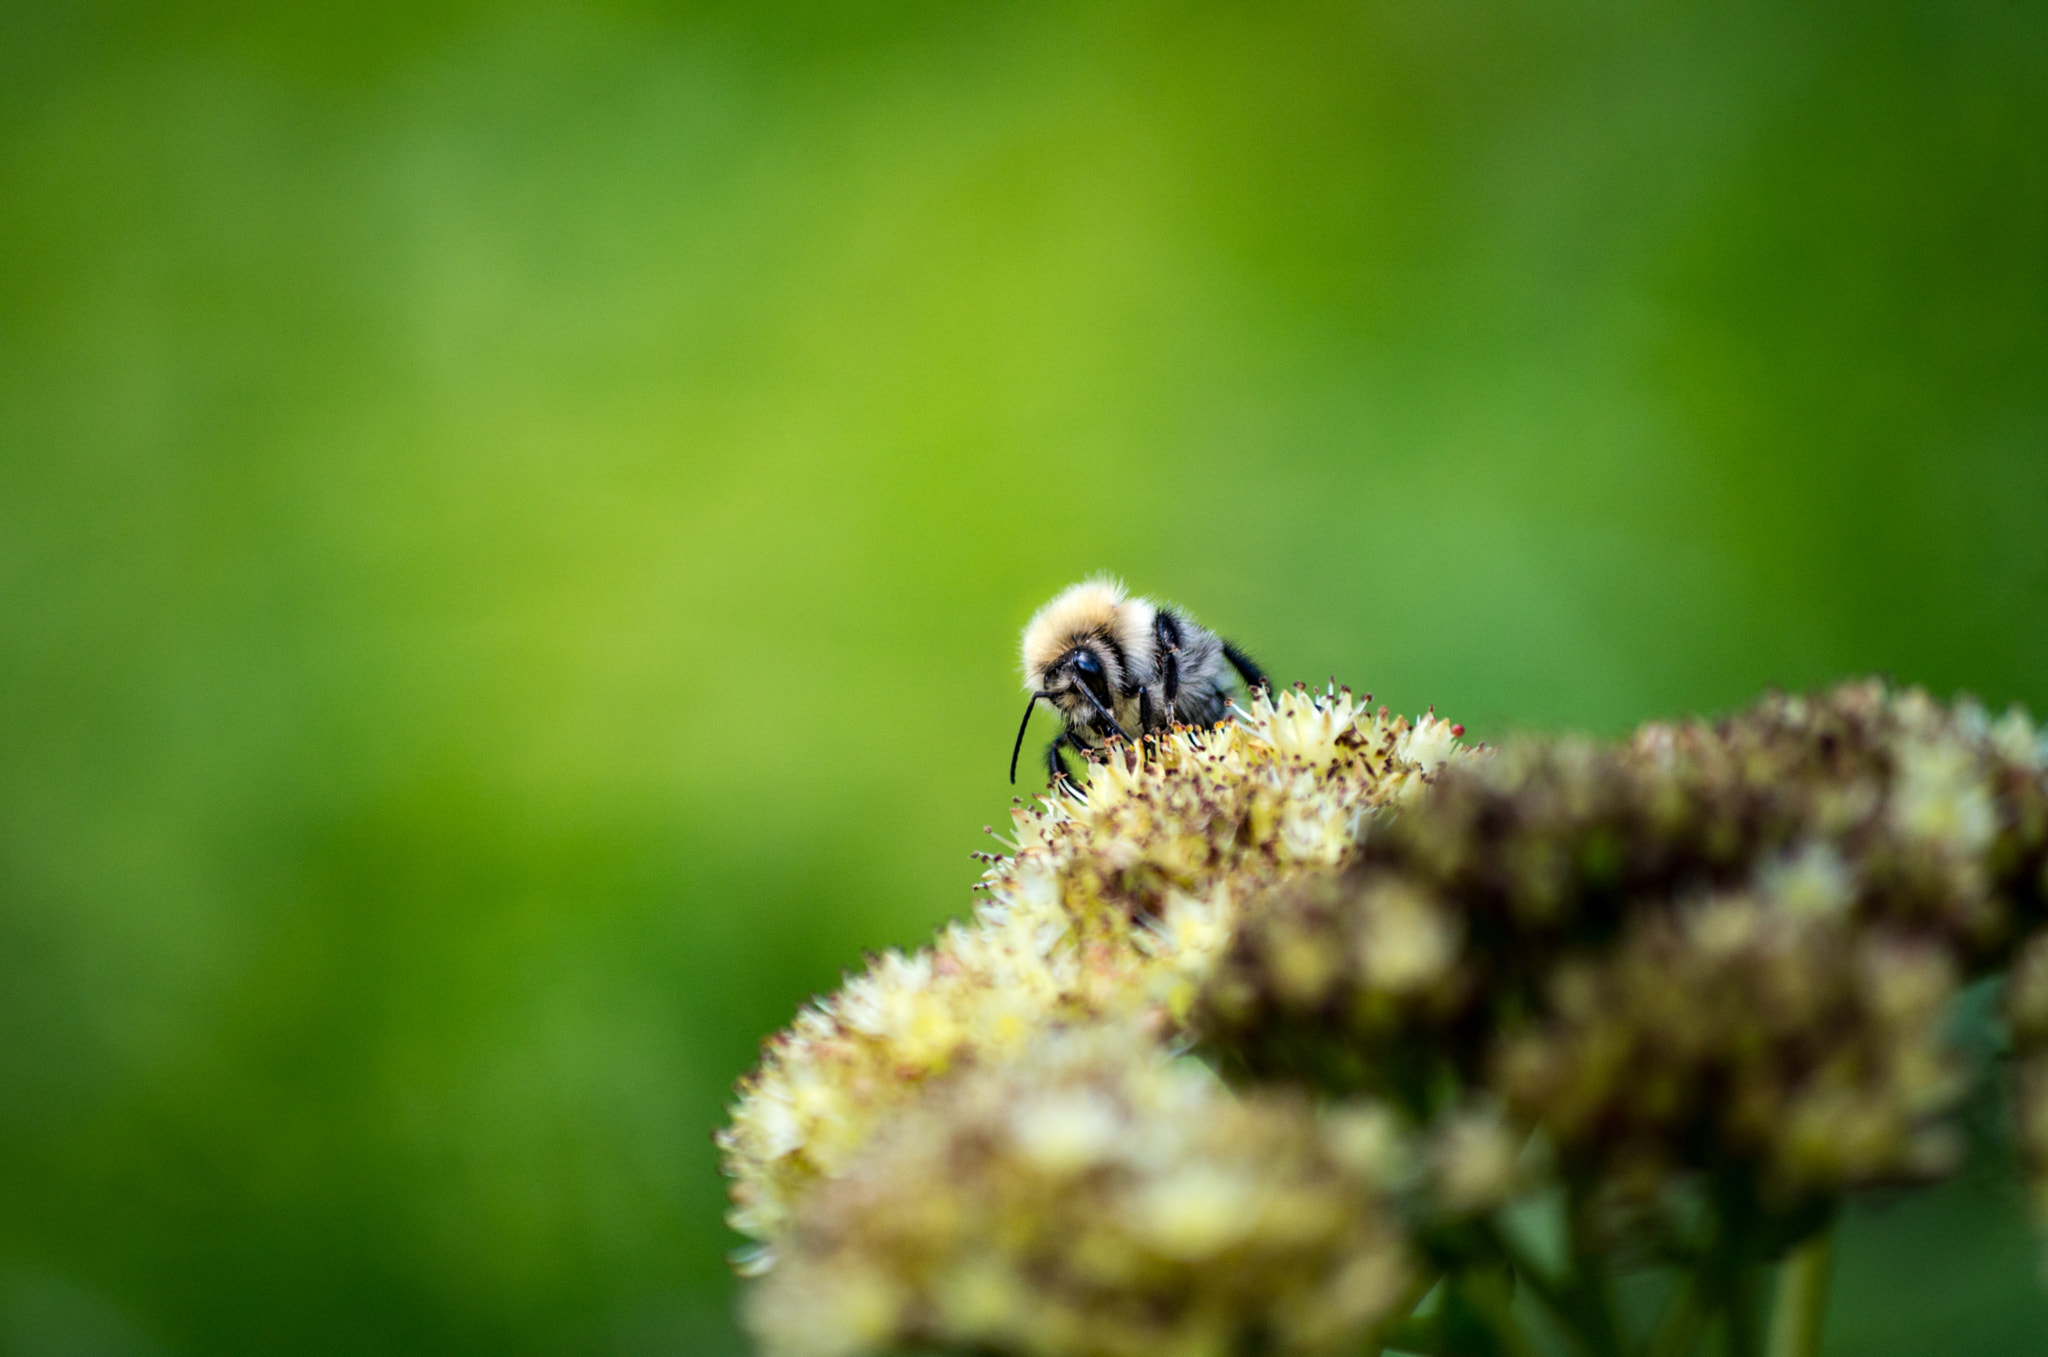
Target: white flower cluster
1114 904
1693 987
1095 1196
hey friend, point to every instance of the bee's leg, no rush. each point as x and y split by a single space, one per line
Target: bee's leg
1253 676
1151 721
1057 766
1166 634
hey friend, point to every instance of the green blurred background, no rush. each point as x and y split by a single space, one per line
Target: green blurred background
514 522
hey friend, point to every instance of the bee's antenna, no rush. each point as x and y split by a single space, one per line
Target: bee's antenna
1100 710
1024 726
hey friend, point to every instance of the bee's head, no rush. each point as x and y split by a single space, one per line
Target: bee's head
1082 652
1093 629
1083 682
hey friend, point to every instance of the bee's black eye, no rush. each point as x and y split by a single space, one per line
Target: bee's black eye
1085 661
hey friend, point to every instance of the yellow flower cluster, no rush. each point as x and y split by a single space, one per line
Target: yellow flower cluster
1114 903
1096 1197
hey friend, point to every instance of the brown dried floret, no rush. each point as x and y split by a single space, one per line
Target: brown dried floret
1719 948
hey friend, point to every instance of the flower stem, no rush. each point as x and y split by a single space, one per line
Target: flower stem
1591 1289
1417 1335
1683 1319
1532 1274
1802 1299
1582 1301
1414 1332
1478 1317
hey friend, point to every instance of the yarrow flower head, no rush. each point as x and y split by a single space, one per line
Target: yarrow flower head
1114 902
1094 1197
1283 1022
1722 948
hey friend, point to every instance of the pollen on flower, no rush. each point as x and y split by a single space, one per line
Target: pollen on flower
1098 1198
1065 1131
1811 880
1943 798
1473 1161
1117 900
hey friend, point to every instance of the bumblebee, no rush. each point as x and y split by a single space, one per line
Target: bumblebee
1111 665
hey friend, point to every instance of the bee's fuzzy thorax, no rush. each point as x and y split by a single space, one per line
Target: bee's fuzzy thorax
1096 607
